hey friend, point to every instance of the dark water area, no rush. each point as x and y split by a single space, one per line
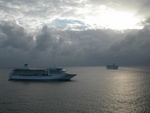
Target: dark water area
93 90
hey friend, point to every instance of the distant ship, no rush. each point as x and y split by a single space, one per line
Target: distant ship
113 66
53 73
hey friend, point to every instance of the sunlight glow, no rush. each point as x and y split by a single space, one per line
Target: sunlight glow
117 20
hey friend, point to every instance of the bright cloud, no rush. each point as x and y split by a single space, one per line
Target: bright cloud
35 14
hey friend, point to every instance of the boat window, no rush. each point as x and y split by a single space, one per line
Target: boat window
55 71
35 72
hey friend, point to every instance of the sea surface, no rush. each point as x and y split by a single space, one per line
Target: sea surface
93 90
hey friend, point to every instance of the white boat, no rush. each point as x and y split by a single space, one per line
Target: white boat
113 66
26 73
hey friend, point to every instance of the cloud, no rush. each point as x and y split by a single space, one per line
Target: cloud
134 49
50 46
44 40
68 24
14 36
43 33
72 48
35 14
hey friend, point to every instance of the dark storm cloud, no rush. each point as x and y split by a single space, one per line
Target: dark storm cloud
134 49
44 40
49 46
14 36
66 48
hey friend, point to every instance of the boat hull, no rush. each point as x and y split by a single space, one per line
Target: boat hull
112 67
46 78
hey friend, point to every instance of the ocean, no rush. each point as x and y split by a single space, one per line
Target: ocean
93 90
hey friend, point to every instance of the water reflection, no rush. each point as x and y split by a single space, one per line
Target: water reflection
127 90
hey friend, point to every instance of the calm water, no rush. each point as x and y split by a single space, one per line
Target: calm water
93 90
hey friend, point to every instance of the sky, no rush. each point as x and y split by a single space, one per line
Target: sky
74 32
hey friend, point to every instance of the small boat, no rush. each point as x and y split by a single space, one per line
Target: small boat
26 73
113 66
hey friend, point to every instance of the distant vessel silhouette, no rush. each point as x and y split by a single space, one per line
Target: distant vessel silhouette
113 66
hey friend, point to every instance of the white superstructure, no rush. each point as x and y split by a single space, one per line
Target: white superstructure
26 73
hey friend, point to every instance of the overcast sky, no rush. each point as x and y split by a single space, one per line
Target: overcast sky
74 32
